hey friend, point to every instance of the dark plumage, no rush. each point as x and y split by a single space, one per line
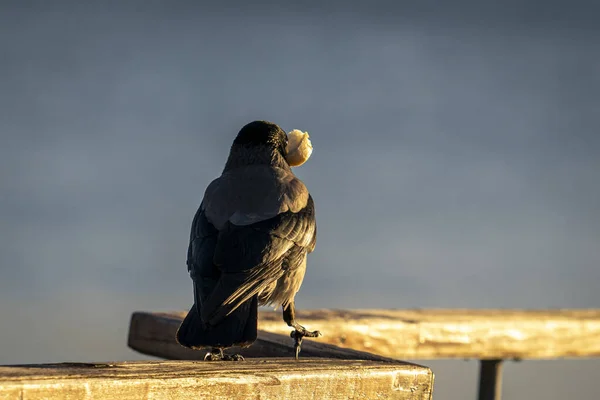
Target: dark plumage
248 244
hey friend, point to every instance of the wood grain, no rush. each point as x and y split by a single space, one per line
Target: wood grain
446 333
260 378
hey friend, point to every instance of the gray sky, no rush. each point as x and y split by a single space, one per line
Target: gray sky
456 160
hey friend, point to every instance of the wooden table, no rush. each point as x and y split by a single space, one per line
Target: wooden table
263 378
487 335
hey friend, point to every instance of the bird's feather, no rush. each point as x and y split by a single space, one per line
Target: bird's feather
254 258
244 196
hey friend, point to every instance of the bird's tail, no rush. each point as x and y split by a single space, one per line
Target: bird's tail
237 329
190 329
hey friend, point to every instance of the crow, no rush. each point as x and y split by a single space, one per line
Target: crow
249 242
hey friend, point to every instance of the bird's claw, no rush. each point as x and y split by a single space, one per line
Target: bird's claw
298 335
211 356
233 357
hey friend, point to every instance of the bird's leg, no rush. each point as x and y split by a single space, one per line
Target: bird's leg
216 354
300 332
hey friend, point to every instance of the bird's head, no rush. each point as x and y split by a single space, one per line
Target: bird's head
262 135
263 142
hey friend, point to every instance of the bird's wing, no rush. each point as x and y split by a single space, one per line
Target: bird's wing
201 247
289 233
201 250
256 245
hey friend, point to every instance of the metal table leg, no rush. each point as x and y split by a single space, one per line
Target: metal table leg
490 380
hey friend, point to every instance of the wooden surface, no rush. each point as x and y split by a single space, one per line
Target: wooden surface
261 378
434 334
154 334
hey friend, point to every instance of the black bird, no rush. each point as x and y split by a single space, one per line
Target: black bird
248 244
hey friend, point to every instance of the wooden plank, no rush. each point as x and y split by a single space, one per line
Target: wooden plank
260 378
439 333
446 333
154 334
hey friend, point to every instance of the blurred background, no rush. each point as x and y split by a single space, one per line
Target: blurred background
456 162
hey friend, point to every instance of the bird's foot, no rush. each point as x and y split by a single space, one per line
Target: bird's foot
233 357
210 356
299 334
217 355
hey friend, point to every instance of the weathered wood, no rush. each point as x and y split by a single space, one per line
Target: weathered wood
480 334
433 334
154 334
261 378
